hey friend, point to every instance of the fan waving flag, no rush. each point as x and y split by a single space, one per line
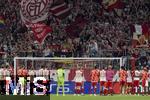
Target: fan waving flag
34 10
33 13
60 11
76 27
2 23
141 34
112 4
40 31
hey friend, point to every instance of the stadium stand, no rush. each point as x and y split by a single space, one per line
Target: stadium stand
86 28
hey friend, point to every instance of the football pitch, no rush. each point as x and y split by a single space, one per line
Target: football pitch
88 97
72 97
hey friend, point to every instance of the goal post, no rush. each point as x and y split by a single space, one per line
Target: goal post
68 59
63 59
51 63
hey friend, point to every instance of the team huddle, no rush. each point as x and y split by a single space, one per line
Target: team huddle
130 81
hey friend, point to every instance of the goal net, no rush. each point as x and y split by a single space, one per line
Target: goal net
51 64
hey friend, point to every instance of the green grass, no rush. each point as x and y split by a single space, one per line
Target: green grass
71 97
24 97
87 97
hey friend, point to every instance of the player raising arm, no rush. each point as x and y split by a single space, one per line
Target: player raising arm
60 79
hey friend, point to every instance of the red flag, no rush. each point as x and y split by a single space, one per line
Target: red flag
115 4
141 34
76 27
61 11
40 31
146 30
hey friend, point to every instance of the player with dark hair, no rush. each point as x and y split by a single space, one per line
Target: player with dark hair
102 80
144 80
129 82
60 79
79 81
109 78
94 80
2 81
123 78
136 80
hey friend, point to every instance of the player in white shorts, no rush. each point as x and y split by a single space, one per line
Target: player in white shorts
136 80
8 80
129 82
79 80
102 80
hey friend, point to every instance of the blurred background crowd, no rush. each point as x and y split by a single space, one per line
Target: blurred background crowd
89 30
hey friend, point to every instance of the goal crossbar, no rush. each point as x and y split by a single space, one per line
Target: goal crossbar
63 58
69 58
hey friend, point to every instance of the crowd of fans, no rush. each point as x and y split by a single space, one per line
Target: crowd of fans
105 34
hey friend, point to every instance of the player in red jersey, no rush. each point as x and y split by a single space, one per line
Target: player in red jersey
123 79
136 80
94 80
109 77
129 82
7 77
102 80
24 72
144 81
79 81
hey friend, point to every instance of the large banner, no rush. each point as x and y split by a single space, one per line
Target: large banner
40 31
32 13
34 10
